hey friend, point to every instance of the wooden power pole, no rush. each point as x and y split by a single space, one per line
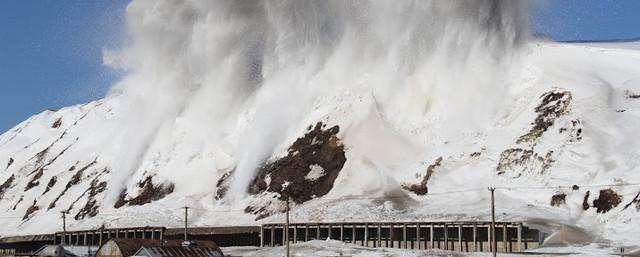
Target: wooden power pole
186 221
64 227
494 244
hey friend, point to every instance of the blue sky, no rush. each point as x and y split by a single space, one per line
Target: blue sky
51 50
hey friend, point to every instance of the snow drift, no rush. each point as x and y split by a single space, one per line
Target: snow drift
381 109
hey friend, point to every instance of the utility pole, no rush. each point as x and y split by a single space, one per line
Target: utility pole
494 244
64 227
286 228
186 221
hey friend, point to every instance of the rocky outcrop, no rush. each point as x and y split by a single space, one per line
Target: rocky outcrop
553 105
421 187
607 200
149 192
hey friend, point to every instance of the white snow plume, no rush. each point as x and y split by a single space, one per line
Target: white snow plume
214 56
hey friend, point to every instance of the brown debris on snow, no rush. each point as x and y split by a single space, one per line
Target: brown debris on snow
11 160
33 208
91 207
319 148
522 160
57 123
75 179
558 199
35 180
149 193
585 201
7 184
421 188
553 105
52 182
607 200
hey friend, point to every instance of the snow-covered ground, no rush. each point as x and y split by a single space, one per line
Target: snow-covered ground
337 248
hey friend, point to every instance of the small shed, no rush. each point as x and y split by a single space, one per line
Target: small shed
128 247
179 251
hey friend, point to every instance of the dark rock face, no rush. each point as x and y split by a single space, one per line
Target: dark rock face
57 123
309 170
585 201
521 160
558 199
11 160
7 184
75 179
149 193
636 201
607 200
35 180
91 207
287 176
553 105
52 182
421 188
33 208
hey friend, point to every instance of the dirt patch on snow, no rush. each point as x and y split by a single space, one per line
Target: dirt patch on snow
558 199
35 180
148 193
91 207
32 209
52 182
7 184
319 147
631 95
75 179
553 105
57 123
585 201
421 188
11 160
523 160
607 200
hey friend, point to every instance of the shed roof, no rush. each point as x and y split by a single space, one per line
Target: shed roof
180 251
129 247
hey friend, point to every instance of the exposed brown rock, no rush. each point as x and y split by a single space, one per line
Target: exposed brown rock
558 199
52 182
585 201
11 160
17 203
522 160
57 123
33 208
75 179
149 193
286 176
421 188
553 105
607 200
35 180
222 186
7 184
91 207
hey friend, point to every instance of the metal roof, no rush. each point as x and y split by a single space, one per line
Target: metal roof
129 247
179 251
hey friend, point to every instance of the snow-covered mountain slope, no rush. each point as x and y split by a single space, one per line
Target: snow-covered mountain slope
378 111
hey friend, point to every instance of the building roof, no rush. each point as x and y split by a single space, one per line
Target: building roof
128 247
179 251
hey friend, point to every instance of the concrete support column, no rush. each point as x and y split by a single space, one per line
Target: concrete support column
431 228
366 234
272 240
475 237
329 230
342 232
418 236
404 235
379 241
295 234
520 237
391 235
353 234
318 232
261 235
306 232
284 235
490 248
460 237
504 237
446 237
85 239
